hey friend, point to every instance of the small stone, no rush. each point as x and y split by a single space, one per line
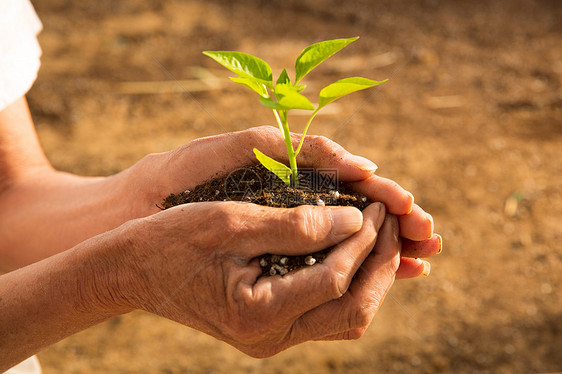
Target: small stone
284 261
309 260
320 202
278 269
335 194
263 262
272 271
275 258
217 192
364 199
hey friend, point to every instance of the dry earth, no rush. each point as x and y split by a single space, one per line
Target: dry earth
471 123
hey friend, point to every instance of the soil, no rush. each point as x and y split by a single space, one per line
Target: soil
255 184
470 122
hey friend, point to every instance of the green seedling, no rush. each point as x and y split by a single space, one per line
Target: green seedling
284 95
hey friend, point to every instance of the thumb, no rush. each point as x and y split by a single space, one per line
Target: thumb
304 229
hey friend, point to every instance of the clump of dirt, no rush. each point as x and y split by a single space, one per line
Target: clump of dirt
256 184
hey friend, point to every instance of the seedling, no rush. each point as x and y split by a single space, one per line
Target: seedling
284 95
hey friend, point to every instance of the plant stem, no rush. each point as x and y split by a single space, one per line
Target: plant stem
305 130
284 127
279 122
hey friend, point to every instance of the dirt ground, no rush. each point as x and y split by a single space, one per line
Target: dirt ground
470 122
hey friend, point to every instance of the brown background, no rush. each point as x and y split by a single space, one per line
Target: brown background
470 122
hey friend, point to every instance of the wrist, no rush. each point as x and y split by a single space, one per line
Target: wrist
108 278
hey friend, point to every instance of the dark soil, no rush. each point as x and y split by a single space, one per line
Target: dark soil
256 184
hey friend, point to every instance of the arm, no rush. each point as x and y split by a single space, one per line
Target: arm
42 211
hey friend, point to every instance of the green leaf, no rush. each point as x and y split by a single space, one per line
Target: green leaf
283 78
300 87
253 84
287 98
343 87
314 54
277 168
245 65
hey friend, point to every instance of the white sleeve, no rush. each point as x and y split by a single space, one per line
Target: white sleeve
19 49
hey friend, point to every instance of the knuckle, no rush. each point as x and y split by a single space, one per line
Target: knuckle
259 135
394 264
337 284
222 218
303 220
362 317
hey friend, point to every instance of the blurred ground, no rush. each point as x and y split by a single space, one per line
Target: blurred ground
471 123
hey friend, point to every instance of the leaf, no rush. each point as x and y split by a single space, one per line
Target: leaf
253 84
343 87
300 87
245 65
283 78
277 168
287 98
314 54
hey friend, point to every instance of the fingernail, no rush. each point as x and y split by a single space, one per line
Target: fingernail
346 220
440 243
426 268
411 202
362 163
429 217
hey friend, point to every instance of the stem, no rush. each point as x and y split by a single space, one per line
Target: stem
290 151
279 122
306 129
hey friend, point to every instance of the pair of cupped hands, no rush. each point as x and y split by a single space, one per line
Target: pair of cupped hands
197 263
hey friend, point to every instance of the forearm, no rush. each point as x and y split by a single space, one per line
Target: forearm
42 211
52 212
45 302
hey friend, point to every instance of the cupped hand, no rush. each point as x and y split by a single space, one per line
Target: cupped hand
198 161
197 264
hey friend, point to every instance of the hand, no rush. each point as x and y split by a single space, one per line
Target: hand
197 264
206 158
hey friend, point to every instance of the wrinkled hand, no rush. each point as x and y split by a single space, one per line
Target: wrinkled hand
197 264
198 161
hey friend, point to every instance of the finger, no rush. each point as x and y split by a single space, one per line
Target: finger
358 305
295 231
234 150
412 267
423 248
416 225
397 200
323 153
301 291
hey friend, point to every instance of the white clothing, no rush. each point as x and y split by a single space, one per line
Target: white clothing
19 49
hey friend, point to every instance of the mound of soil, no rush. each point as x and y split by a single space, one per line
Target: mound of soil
258 185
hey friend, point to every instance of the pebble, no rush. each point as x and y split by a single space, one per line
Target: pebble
272 271
279 269
335 194
320 202
263 262
275 258
284 261
309 260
